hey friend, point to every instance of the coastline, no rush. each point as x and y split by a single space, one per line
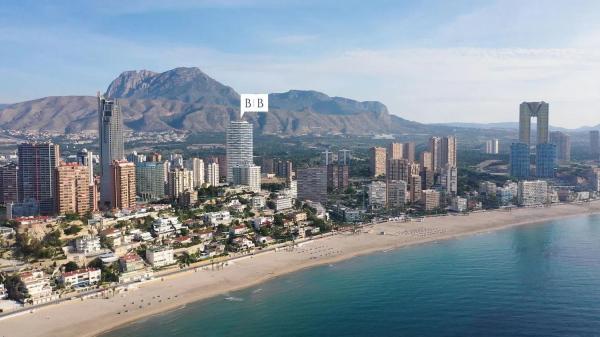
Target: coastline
92 317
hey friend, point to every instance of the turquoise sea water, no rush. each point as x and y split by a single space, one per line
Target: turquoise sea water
541 280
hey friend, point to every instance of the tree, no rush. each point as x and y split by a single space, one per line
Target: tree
70 266
15 288
72 230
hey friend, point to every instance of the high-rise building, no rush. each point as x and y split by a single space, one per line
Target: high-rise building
377 161
395 151
435 148
563 145
430 200
396 193
414 184
9 190
492 146
196 165
545 160
448 152
398 169
408 151
337 177
150 180
449 179
312 184
527 110
123 185
377 194
212 174
532 193
427 178
179 180
36 179
595 144
284 169
426 161
72 189
239 146
519 160
110 122
267 166
247 175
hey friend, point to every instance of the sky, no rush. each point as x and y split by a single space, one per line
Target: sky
428 61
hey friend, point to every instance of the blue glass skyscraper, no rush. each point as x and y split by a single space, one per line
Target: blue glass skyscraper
545 160
519 160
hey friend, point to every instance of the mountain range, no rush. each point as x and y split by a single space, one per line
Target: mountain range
188 99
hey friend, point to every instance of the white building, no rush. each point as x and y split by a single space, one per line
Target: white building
488 188
81 277
212 174
377 194
247 175
449 179
492 146
3 292
166 226
532 193
160 256
217 218
282 203
179 181
257 201
196 165
239 146
458 204
37 287
88 245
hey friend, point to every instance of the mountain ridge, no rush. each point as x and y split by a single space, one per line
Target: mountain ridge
189 99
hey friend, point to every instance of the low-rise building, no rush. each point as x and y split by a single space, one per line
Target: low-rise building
242 243
257 202
217 218
160 256
131 262
239 230
81 277
37 287
282 203
88 245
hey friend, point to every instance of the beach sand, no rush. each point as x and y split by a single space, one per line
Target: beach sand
91 317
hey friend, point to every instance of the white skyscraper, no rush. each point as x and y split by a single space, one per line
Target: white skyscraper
212 174
110 124
247 175
196 165
239 146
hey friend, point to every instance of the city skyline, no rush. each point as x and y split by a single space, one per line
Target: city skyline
328 55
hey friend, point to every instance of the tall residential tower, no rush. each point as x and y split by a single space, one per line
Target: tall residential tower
110 135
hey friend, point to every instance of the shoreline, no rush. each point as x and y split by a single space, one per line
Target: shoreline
93 317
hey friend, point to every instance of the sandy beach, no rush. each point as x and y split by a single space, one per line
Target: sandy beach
91 317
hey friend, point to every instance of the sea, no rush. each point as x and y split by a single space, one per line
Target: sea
535 280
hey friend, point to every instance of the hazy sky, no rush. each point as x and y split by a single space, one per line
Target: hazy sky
429 61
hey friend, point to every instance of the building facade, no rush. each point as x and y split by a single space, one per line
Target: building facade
150 180
239 146
377 161
312 184
123 185
72 189
36 174
111 144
